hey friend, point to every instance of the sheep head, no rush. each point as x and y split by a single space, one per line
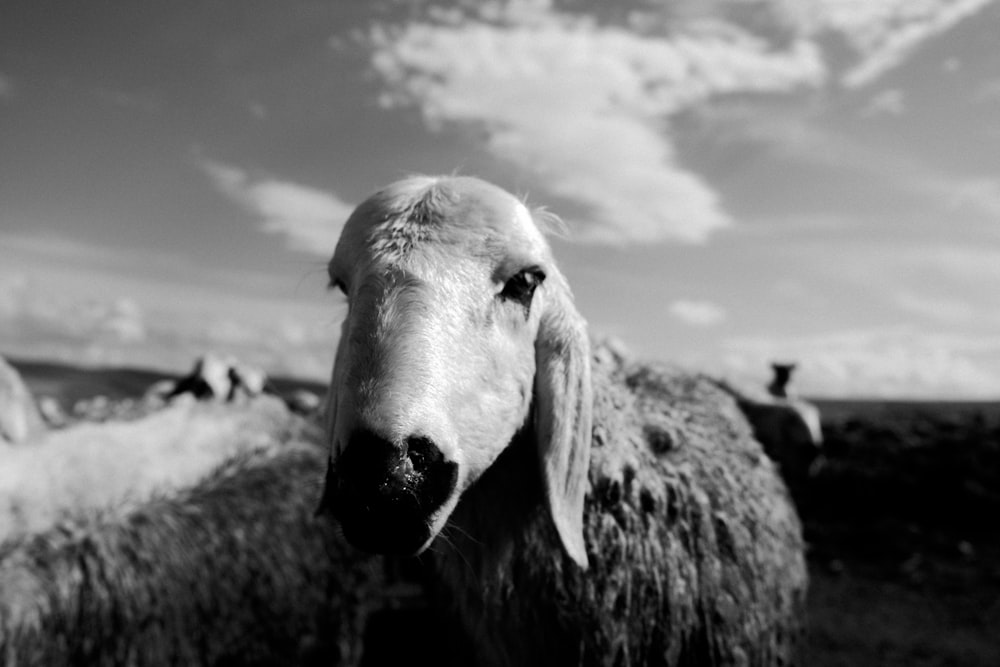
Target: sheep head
460 332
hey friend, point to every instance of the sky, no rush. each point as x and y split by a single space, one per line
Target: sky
743 181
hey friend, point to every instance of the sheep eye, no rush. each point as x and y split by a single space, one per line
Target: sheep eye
521 287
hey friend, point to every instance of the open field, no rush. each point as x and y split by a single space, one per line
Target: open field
900 514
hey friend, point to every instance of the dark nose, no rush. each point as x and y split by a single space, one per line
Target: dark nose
384 492
371 460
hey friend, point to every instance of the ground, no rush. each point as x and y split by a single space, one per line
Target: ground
904 538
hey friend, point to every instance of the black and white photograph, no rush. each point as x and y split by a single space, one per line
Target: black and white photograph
499 333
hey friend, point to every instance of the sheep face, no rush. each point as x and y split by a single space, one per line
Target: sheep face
458 323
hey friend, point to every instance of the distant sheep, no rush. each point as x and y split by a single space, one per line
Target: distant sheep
790 431
782 376
20 419
222 378
789 427
578 511
233 571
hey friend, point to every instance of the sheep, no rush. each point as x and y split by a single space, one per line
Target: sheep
789 427
232 571
20 419
782 375
577 509
222 378
113 466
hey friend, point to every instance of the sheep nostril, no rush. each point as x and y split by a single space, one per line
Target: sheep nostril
422 453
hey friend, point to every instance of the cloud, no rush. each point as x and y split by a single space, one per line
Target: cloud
121 319
972 266
888 33
6 87
981 193
309 218
882 34
698 313
27 311
798 137
988 91
39 322
885 103
944 310
887 363
584 107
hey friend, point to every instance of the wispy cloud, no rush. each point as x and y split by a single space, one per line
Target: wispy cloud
882 33
887 33
26 311
6 86
894 362
988 91
890 102
965 266
801 137
309 218
943 310
583 107
37 321
981 193
698 313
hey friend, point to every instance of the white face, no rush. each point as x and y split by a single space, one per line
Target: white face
435 367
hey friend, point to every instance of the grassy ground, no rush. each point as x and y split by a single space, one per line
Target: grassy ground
860 617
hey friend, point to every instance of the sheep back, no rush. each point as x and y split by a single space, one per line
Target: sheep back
233 571
695 549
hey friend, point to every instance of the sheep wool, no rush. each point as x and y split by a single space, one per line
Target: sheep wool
233 571
695 549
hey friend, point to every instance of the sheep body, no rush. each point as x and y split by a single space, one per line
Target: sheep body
789 428
234 571
116 466
695 549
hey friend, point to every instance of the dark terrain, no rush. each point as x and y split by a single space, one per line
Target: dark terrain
900 513
901 517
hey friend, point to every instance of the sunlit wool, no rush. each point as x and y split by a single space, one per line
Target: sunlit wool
113 467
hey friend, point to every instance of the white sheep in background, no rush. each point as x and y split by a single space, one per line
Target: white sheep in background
114 466
789 427
578 511
20 419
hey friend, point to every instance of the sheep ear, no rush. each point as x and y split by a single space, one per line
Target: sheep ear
563 404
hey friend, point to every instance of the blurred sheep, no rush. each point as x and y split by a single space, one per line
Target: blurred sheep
113 466
20 419
232 571
788 426
218 377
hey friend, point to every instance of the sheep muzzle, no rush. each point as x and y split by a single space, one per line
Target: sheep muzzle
384 493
